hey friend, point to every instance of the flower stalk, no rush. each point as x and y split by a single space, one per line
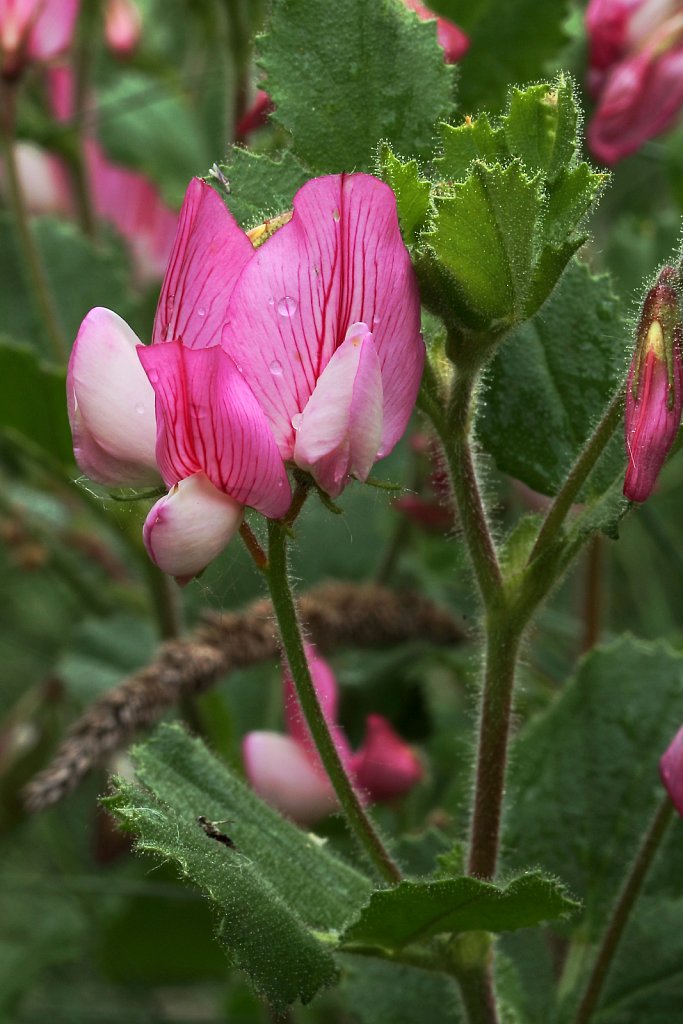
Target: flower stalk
292 642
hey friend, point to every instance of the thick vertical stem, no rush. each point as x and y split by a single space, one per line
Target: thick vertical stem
622 910
36 277
502 646
292 641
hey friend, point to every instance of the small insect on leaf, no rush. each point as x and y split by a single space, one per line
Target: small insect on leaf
213 832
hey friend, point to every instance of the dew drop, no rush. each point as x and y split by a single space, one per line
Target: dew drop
276 368
376 320
336 215
140 409
296 420
201 311
287 306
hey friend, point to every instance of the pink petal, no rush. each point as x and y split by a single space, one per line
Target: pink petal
44 180
190 526
340 429
53 28
340 260
122 26
385 766
452 39
209 252
281 773
111 403
209 421
255 117
671 771
642 98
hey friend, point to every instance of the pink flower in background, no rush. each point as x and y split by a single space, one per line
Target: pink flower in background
122 26
179 411
452 39
671 770
44 180
636 72
34 30
255 117
324 323
286 770
654 391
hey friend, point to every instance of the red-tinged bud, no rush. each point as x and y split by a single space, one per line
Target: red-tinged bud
654 394
671 771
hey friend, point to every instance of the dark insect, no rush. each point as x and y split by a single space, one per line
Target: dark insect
213 832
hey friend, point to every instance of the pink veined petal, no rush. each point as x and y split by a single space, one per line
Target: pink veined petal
111 403
209 252
53 29
281 773
386 767
651 422
340 260
209 421
340 429
190 526
671 770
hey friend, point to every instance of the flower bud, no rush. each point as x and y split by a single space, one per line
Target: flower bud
654 393
671 770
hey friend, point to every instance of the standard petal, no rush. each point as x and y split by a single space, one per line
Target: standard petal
209 421
111 403
671 771
209 253
386 767
190 526
340 260
281 773
340 429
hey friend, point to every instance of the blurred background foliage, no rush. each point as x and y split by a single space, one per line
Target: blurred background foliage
88 933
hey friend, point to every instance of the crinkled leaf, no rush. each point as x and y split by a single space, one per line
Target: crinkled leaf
540 126
412 193
550 382
345 76
260 187
413 911
263 935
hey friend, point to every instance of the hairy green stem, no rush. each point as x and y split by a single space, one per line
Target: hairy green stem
580 471
36 277
502 647
622 909
292 641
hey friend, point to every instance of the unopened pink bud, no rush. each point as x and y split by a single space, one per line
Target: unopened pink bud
386 767
122 26
654 393
671 770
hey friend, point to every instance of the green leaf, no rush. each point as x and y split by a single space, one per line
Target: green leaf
259 186
265 938
33 400
511 204
584 777
510 42
484 234
375 991
414 911
551 380
412 193
345 76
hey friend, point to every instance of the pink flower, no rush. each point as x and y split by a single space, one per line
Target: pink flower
255 117
286 770
34 30
324 323
122 26
636 72
654 394
671 770
44 180
180 410
452 39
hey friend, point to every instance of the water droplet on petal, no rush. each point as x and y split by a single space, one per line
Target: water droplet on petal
153 376
201 311
296 420
287 306
140 409
239 369
376 320
276 368
336 215
271 301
